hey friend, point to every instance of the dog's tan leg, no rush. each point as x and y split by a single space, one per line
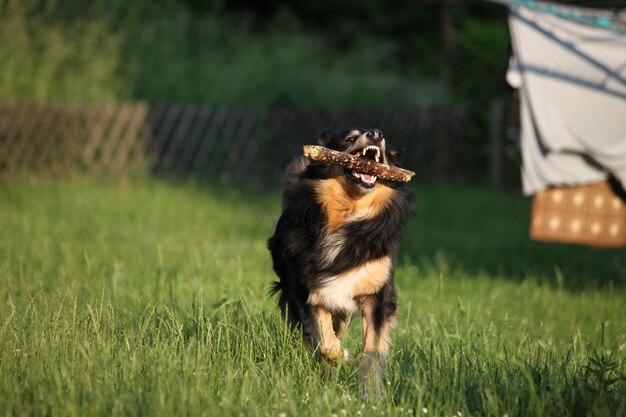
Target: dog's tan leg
376 341
384 335
340 324
324 337
370 366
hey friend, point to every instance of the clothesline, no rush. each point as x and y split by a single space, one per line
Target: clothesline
604 18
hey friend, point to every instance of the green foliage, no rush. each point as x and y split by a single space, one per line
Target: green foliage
50 60
233 67
374 56
150 299
480 61
112 51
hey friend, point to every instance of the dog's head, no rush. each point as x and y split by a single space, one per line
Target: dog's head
365 143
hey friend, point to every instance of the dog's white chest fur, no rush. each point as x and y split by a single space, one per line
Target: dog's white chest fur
338 292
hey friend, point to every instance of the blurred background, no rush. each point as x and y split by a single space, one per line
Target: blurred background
224 93
230 89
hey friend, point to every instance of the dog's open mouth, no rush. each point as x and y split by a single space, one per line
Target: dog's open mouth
372 153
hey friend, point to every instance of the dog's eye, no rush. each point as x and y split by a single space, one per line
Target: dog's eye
351 138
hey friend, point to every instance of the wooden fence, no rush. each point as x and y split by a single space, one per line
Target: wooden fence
217 143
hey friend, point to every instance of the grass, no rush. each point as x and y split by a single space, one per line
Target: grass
148 298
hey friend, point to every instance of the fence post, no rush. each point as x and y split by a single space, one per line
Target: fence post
495 141
442 149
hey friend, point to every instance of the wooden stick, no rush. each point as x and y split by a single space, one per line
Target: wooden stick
363 165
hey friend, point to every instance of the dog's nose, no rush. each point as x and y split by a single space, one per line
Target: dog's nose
374 135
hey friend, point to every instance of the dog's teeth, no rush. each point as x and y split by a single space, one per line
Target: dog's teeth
372 148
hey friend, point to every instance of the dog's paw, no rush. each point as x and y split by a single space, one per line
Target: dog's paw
346 358
371 390
336 355
372 377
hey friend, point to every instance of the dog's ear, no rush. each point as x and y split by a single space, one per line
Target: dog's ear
325 137
395 155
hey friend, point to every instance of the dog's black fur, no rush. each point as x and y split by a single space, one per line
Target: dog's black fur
337 225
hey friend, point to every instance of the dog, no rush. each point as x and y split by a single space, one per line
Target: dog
335 246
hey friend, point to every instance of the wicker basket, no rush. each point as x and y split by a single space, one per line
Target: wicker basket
588 215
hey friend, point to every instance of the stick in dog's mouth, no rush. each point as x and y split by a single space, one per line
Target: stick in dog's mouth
358 163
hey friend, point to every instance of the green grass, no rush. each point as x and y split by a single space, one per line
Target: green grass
149 298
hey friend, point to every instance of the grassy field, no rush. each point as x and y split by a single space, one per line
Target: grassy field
149 299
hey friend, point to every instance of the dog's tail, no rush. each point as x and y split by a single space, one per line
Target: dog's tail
275 288
279 263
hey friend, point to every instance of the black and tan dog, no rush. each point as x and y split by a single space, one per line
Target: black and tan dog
335 248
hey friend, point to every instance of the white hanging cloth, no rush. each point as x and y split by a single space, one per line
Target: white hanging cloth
572 82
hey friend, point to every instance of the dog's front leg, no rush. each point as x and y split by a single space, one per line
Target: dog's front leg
324 337
376 339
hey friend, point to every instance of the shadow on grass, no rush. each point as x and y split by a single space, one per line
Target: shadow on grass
536 382
476 230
